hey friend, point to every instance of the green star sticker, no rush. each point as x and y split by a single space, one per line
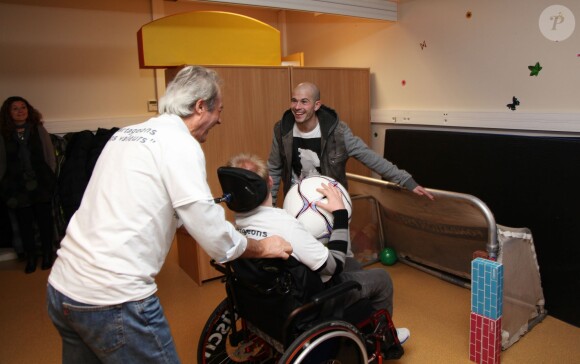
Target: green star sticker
535 69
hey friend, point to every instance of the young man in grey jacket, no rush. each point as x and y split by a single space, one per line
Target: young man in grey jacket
311 139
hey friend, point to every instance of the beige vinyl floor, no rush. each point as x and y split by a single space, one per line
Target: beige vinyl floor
436 312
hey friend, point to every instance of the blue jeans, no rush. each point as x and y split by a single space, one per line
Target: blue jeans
131 332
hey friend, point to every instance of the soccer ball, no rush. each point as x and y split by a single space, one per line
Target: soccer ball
299 202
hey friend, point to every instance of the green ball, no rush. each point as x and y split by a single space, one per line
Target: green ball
388 256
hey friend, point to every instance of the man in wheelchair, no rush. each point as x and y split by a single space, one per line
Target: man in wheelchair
256 218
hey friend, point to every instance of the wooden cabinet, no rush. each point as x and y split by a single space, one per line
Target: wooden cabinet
192 259
254 100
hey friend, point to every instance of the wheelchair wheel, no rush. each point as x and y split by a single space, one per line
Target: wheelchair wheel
333 342
215 342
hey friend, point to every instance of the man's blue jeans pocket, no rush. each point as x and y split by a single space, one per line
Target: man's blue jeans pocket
100 325
131 332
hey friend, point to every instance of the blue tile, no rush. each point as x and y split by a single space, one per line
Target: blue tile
486 288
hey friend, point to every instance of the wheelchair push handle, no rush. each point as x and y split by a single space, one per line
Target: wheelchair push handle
219 267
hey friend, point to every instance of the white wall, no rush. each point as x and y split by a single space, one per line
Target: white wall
75 61
469 69
268 16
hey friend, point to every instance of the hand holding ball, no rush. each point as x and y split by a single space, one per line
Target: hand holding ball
301 200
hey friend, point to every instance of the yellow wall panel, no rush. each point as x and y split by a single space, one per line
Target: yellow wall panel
210 38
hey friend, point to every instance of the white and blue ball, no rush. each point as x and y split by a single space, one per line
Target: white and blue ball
300 199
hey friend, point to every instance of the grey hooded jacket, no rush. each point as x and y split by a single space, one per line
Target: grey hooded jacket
337 145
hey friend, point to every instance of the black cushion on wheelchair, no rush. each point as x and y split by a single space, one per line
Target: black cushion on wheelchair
267 276
268 290
247 189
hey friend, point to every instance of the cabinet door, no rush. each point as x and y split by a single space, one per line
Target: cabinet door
346 90
254 99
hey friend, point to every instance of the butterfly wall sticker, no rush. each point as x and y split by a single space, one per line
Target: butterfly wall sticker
535 69
515 102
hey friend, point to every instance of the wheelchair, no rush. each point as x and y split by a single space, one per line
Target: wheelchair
279 311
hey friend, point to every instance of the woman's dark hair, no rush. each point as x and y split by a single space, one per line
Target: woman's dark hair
7 124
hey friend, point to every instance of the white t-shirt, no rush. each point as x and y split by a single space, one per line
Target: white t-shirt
117 241
306 153
265 221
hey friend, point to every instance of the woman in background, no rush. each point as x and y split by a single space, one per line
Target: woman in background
28 185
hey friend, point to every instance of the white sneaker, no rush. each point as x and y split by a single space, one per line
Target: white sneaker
403 334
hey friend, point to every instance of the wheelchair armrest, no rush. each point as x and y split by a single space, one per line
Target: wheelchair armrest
335 291
318 300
